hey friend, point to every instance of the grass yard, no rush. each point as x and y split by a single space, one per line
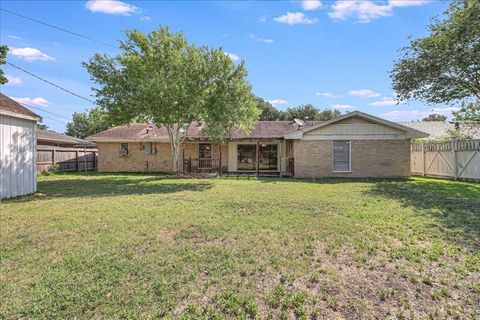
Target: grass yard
135 246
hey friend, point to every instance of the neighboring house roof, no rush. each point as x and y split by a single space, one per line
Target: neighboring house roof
12 108
441 129
410 132
142 131
52 136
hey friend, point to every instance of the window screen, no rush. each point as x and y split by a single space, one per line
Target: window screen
150 148
341 156
205 150
123 149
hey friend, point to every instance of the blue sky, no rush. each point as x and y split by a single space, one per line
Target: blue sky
333 54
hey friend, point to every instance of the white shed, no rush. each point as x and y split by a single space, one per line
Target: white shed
18 146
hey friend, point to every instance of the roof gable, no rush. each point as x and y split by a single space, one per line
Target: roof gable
12 108
358 117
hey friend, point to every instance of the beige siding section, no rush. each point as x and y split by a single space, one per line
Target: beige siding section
17 157
369 158
354 129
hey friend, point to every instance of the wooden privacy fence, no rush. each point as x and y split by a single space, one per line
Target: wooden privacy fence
68 159
454 159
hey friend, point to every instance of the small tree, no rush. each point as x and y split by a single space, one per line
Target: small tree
3 56
88 123
163 79
435 117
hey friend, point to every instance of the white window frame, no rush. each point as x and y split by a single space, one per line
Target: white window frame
349 157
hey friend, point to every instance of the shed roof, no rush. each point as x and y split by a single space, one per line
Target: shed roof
12 108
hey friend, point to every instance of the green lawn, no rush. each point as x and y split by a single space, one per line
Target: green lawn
133 246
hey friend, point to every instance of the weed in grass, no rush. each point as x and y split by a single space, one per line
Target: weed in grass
438 294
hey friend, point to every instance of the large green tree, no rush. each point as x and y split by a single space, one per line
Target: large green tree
444 67
268 111
3 56
309 112
84 124
161 78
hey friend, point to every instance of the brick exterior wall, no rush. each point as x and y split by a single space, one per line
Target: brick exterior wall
109 159
369 158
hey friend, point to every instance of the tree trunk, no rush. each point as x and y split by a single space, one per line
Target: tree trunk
175 143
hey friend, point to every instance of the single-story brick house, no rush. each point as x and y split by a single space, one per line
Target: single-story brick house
353 145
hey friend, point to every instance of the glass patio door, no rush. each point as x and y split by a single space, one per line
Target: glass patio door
267 157
246 157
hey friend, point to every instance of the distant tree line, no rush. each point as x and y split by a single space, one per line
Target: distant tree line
303 112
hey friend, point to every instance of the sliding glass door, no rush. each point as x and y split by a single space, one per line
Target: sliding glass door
267 157
247 157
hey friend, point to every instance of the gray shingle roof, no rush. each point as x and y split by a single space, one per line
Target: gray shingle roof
52 136
139 131
440 129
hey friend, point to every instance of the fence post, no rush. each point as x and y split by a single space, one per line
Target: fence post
76 158
85 158
454 157
423 158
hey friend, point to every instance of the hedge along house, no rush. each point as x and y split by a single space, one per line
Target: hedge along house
352 145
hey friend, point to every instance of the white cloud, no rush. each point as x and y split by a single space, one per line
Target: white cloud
445 111
408 3
292 18
364 93
145 18
38 101
261 40
384 102
406 115
262 19
367 10
327 95
29 54
277 102
311 4
14 37
13 81
115 7
232 56
343 106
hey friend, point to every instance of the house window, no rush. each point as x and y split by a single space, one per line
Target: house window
341 156
205 150
150 148
123 149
